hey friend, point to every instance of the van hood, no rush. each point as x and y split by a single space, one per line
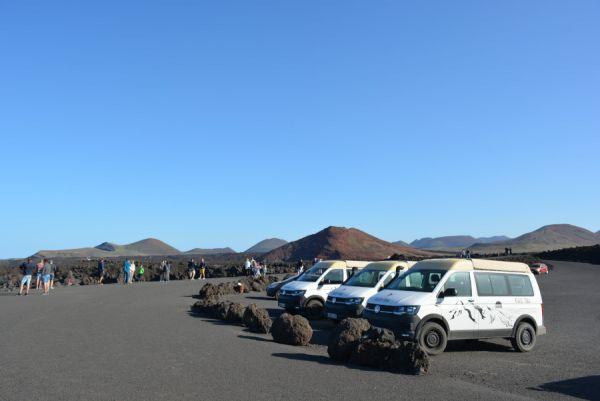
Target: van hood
395 297
348 291
299 285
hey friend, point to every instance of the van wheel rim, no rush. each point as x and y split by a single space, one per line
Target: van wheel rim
526 337
432 339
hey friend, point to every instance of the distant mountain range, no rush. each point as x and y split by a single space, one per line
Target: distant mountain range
266 245
350 243
210 251
551 237
454 242
340 243
146 247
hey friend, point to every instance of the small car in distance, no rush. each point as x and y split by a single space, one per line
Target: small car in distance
273 288
539 268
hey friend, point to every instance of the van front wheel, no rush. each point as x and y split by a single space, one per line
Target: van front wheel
524 339
433 338
313 309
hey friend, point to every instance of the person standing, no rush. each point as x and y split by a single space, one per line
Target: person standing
126 271
101 271
46 272
247 266
131 271
192 269
202 266
140 273
28 269
300 267
167 270
38 274
52 274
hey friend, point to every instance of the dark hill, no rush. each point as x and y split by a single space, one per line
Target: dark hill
210 251
340 243
454 242
551 237
266 245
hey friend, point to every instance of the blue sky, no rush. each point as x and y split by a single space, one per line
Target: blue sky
222 123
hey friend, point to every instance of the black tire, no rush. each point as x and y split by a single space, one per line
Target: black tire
314 309
433 338
524 339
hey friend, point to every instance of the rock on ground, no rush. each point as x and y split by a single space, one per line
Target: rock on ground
291 329
257 319
235 313
374 348
408 358
344 338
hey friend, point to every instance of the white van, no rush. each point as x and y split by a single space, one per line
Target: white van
350 299
307 294
453 299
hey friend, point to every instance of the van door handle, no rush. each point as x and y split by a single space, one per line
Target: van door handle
471 300
499 304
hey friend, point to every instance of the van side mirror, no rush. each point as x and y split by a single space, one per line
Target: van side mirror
449 292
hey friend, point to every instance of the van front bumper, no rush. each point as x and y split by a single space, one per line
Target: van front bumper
541 330
404 326
290 302
342 311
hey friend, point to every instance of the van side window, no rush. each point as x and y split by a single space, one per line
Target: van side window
519 285
335 276
491 284
461 282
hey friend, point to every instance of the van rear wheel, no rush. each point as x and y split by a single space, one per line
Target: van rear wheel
313 309
524 339
433 338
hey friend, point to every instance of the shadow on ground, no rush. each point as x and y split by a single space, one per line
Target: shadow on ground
586 387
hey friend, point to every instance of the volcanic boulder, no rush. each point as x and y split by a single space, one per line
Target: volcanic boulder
221 309
205 306
409 358
291 329
235 313
345 337
256 319
374 348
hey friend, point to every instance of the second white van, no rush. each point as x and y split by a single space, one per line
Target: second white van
350 299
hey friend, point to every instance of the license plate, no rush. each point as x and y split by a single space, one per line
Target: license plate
332 315
281 305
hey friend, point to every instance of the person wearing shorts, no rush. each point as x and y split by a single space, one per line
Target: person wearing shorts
28 268
46 273
38 274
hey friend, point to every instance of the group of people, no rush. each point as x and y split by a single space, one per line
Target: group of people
254 268
196 270
44 276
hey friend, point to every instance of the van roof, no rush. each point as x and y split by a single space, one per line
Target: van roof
345 263
388 265
473 264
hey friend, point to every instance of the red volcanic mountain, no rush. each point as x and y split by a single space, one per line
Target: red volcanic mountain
341 243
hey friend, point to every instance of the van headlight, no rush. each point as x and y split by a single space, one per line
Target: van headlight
408 309
294 293
355 301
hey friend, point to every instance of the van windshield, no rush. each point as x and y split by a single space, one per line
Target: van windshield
423 280
366 278
313 273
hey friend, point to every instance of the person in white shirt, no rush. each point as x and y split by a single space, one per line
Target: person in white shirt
131 271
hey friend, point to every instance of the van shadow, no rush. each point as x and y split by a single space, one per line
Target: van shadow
586 387
476 346
259 298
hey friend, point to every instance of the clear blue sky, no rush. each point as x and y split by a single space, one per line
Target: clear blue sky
221 123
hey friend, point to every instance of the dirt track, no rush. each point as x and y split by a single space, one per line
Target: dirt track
140 343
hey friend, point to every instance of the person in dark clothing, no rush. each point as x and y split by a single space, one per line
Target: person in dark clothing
101 270
192 269
28 269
